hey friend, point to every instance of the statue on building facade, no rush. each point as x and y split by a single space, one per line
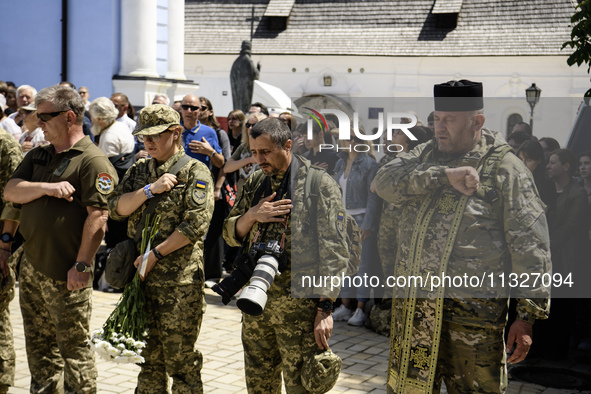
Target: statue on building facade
242 77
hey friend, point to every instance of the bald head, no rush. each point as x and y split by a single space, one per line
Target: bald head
190 110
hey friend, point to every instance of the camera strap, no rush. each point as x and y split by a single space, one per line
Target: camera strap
265 187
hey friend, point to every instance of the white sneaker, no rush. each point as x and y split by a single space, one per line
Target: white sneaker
358 318
342 313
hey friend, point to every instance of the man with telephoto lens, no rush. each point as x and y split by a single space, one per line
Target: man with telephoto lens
271 208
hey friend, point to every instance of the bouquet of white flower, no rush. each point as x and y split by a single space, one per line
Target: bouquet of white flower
122 337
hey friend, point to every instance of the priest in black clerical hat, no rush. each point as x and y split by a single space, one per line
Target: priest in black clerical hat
468 206
460 95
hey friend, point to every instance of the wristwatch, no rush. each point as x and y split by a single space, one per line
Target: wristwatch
82 267
7 238
325 306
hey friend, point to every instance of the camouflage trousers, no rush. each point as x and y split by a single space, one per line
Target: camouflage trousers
471 360
174 316
56 324
7 354
276 342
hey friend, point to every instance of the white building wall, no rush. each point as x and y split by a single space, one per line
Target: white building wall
358 77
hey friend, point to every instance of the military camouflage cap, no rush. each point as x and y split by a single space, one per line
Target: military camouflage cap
320 372
155 119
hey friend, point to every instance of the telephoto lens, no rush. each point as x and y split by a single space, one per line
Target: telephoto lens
254 297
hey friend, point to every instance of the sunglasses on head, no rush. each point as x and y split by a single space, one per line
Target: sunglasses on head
46 117
150 138
194 107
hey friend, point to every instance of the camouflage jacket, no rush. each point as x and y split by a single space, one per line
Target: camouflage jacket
388 229
187 208
11 155
505 234
310 252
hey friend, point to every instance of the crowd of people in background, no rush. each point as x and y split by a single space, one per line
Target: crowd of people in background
561 179
563 182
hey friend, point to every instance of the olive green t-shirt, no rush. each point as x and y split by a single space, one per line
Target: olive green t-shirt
52 227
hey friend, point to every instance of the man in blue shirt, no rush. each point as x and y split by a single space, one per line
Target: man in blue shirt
200 141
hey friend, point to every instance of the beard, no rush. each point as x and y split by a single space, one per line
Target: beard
95 129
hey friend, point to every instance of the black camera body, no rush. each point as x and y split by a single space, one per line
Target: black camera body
272 248
246 264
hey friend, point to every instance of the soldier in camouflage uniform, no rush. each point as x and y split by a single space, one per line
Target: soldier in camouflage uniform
11 155
63 188
289 327
469 207
174 279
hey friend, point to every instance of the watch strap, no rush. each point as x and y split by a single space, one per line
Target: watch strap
157 254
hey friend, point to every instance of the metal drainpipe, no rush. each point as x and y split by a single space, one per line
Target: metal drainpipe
64 40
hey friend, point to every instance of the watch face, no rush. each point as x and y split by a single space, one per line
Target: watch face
6 237
81 267
325 305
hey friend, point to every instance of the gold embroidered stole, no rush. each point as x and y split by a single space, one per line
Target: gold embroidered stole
415 345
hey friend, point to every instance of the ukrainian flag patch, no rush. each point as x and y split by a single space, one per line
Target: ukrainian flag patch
341 222
201 184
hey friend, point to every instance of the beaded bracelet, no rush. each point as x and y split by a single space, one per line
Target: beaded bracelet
148 192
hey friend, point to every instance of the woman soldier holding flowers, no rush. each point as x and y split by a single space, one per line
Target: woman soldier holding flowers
173 270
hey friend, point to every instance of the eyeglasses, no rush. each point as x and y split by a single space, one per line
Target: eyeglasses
46 117
151 138
194 107
249 125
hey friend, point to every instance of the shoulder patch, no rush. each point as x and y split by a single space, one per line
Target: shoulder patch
341 217
104 183
199 192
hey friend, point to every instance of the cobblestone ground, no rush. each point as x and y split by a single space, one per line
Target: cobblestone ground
364 354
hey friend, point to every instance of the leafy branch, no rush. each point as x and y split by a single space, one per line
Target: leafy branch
580 37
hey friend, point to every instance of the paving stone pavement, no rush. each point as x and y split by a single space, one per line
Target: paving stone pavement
364 354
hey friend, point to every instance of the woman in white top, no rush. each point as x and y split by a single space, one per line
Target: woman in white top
32 136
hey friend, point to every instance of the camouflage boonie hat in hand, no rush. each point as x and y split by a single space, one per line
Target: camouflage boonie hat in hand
155 119
321 371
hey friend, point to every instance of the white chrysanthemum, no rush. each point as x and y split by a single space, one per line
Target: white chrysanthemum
114 352
104 345
140 344
121 346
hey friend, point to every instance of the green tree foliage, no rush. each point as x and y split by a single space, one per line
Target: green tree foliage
581 37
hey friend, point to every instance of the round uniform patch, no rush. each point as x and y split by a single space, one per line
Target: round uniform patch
199 196
104 183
